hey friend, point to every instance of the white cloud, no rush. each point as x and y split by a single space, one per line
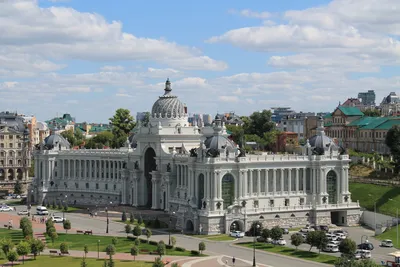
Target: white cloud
65 33
112 68
250 14
226 98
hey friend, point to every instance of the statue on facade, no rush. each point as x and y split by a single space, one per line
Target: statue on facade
169 167
136 165
193 153
318 151
242 153
212 153
204 204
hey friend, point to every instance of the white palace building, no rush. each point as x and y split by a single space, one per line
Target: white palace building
200 175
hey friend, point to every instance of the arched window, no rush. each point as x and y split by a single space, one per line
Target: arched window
331 184
201 191
228 190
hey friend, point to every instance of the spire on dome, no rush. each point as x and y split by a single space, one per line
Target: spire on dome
168 88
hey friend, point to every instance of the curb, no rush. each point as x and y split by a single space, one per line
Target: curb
280 255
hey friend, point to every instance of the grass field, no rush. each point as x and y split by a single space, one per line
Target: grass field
49 261
222 237
305 255
387 198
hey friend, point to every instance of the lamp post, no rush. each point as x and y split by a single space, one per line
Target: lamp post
108 221
98 249
64 201
169 228
254 243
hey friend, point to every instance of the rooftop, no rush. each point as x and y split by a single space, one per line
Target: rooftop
351 111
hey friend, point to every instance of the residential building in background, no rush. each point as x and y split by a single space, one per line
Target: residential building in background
390 105
92 129
279 112
231 118
64 123
367 98
15 156
295 123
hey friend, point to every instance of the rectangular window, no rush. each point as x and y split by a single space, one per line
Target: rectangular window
106 186
97 186
115 187
11 145
87 185
10 162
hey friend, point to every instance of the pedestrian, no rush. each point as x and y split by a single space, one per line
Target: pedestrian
233 260
226 262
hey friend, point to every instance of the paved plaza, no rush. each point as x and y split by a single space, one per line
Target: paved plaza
221 253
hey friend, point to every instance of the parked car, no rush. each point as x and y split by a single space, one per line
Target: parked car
6 208
23 212
362 254
366 246
263 240
57 219
307 229
340 236
334 242
285 231
237 234
341 232
331 248
280 242
387 243
324 228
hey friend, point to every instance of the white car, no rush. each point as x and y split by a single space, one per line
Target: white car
237 234
387 243
331 248
334 242
280 242
5 208
362 254
57 219
307 230
23 212
341 236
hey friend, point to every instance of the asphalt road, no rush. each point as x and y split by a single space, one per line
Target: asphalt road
98 226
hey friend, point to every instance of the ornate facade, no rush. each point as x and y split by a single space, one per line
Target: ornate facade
201 176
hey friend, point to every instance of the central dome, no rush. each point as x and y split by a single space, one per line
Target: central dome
168 105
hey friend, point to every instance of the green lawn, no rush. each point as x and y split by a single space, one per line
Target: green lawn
302 254
367 194
14 235
135 222
77 242
390 234
49 261
70 209
222 237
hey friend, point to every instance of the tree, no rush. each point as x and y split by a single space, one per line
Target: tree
111 262
175 264
7 245
100 140
23 249
276 233
321 240
237 133
137 231
296 240
259 123
53 235
257 227
80 138
123 217
136 242
393 142
12 256
158 263
128 229
266 233
83 262
173 241
69 135
134 252
347 247
26 225
161 248
131 218
148 234
64 248
49 225
310 239
17 188
65 206
202 247
110 250
114 241
372 112
86 250
140 220
67 225
37 246
122 124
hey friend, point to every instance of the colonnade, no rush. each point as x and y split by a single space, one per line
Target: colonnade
109 169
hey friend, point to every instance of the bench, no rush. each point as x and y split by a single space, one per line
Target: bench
88 232
79 231
53 251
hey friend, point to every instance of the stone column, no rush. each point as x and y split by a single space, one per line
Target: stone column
346 182
297 181
245 184
215 185
343 180
154 192
266 181
274 181
304 180
258 182
290 181
322 181
207 185
313 181
282 181
250 181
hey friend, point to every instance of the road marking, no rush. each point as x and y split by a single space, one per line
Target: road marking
245 261
189 264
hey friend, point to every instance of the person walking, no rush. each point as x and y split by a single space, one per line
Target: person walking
233 260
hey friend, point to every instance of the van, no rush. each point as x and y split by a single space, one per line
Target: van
331 248
40 210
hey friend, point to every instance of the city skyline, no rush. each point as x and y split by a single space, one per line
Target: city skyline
88 58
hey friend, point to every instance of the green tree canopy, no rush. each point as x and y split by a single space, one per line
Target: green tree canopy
23 249
393 142
259 123
122 122
18 188
372 112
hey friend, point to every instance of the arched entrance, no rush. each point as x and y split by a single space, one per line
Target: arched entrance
201 191
189 226
2 175
19 174
228 190
331 187
10 174
236 226
149 166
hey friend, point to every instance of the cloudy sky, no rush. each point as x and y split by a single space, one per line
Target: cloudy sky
90 57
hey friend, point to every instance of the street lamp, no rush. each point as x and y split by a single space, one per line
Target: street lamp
169 226
254 243
108 221
98 249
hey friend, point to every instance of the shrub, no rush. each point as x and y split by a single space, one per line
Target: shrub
158 263
140 221
114 241
136 242
131 218
173 241
180 249
12 256
110 250
64 248
161 248
142 240
137 231
153 243
67 225
195 252
202 247
123 217
128 229
169 246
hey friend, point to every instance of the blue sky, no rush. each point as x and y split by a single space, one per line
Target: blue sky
90 57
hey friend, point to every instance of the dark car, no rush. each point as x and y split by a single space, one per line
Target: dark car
285 231
324 228
366 246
